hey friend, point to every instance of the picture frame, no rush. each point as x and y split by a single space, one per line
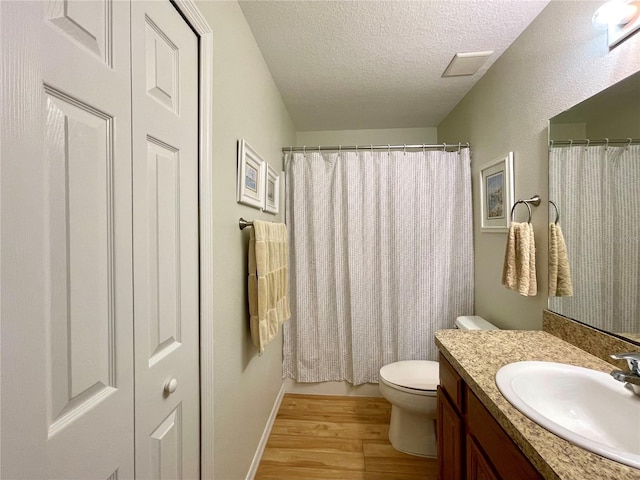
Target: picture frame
496 194
272 191
251 173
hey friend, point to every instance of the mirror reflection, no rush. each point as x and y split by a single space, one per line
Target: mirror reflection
594 235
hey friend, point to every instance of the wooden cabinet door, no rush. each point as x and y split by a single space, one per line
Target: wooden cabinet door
477 467
450 440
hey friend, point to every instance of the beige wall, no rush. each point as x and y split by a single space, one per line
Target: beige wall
391 136
623 122
557 62
246 104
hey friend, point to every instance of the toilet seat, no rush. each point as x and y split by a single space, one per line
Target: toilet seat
418 377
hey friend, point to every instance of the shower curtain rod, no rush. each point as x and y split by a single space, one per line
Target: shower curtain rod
444 146
587 142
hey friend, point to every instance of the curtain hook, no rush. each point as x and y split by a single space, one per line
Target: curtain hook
629 144
389 150
587 145
459 147
356 148
424 149
444 147
290 149
570 143
404 148
340 151
606 145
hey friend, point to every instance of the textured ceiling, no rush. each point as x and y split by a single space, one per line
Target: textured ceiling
347 65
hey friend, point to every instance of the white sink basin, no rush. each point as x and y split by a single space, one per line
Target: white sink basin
586 407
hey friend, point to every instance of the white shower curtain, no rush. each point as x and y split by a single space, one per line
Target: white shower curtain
381 257
595 189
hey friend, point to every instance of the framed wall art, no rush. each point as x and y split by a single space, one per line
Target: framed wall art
251 176
496 194
272 191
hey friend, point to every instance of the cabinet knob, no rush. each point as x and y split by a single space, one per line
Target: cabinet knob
171 385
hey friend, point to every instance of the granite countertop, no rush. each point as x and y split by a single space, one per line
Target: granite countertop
478 355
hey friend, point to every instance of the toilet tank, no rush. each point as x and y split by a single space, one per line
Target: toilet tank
474 322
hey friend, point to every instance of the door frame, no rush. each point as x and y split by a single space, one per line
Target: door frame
193 16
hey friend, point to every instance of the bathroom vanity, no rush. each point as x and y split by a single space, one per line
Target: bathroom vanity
482 436
471 443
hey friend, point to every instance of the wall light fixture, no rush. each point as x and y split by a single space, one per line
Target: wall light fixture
620 18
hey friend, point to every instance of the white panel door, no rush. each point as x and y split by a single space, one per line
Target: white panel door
165 189
67 378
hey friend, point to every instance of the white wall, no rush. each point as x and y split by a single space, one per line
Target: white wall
246 104
558 61
390 136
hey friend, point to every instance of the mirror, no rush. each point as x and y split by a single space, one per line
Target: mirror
594 180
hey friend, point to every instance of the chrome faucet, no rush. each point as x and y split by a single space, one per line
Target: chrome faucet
631 378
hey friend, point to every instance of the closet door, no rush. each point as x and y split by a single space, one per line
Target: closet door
66 266
165 189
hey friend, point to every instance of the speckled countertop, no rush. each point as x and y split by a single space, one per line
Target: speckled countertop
478 355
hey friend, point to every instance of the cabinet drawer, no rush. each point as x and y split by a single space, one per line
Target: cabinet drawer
451 383
496 443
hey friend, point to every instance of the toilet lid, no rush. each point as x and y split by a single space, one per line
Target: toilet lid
416 374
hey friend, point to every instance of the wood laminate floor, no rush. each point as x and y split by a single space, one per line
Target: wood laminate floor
318 437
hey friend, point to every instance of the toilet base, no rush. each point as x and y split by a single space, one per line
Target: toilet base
413 433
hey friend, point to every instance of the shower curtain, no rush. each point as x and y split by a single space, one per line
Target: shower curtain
381 257
595 188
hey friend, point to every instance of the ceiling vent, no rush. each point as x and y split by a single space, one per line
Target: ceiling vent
466 63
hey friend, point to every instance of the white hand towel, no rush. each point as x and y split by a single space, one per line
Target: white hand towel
268 281
519 270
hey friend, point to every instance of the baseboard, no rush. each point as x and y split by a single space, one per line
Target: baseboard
333 388
253 469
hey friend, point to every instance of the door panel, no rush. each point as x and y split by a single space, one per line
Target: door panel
81 232
89 24
165 186
165 447
88 238
70 359
163 249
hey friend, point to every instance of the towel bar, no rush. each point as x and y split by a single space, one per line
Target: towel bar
245 223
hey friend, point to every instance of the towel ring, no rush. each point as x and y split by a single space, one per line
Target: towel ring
528 207
557 211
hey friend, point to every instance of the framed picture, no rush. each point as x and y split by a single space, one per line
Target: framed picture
251 173
272 191
496 194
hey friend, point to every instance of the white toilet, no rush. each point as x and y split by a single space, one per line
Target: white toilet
410 386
